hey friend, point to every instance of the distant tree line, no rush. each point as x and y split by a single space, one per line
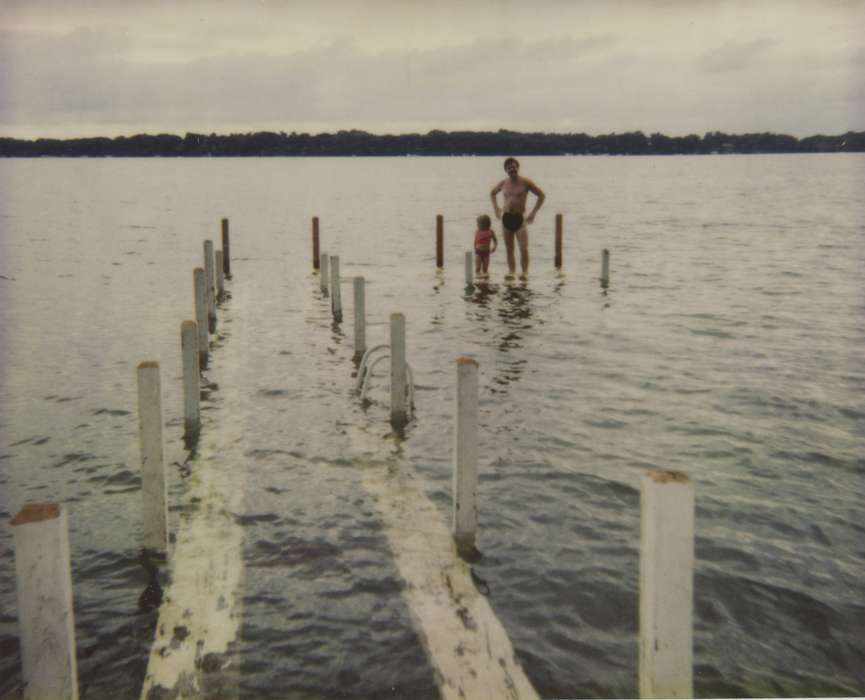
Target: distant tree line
433 143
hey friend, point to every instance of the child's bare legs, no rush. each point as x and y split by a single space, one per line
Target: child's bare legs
485 264
478 263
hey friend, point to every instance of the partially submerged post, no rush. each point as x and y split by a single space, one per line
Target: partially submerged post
440 241
45 614
469 269
226 260
220 276
465 484
325 273
316 263
666 585
605 268
210 278
398 378
359 318
153 486
191 387
201 315
335 296
558 260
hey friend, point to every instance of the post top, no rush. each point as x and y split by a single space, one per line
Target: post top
667 477
188 324
467 361
36 512
148 364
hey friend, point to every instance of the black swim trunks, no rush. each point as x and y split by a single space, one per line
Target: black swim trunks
512 222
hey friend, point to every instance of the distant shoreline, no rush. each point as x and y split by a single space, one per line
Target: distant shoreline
434 143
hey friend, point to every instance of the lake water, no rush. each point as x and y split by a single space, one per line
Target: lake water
729 345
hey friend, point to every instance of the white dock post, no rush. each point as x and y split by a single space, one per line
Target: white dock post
470 260
359 317
220 276
335 296
153 485
398 379
201 314
45 614
325 272
191 387
211 283
605 267
465 484
666 585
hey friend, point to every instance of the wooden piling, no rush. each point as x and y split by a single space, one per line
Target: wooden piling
359 317
45 612
191 385
470 264
226 258
200 284
153 483
465 480
398 375
325 273
558 256
210 279
220 276
316 263
605 268
440 241
335 295
666 585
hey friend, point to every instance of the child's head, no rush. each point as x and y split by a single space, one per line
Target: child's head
484 222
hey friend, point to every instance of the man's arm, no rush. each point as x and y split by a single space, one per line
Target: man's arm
495 191
540 197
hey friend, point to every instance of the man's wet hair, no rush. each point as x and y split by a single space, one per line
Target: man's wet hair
484 222
510 160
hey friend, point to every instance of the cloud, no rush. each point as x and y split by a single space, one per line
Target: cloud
622 73
734 56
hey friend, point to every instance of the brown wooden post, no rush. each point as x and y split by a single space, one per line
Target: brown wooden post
558 241
226 258
316 262
440 241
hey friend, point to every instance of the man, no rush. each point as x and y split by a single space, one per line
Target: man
515 191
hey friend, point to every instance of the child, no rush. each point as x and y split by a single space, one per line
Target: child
483 237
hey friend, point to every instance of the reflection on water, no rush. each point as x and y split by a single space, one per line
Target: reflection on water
506 321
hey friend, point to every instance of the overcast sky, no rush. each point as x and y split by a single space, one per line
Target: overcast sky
74 68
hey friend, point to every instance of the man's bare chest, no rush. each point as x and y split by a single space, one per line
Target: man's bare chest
514 190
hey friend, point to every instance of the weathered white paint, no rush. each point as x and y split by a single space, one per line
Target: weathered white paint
470 261
201 314
605 267
191 386
220 276
325 273
335 294
466 644
45 614
211 282
202 611
397 369
153 484
666 585
465 479
359 317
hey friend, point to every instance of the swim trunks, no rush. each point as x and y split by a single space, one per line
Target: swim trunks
512 222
